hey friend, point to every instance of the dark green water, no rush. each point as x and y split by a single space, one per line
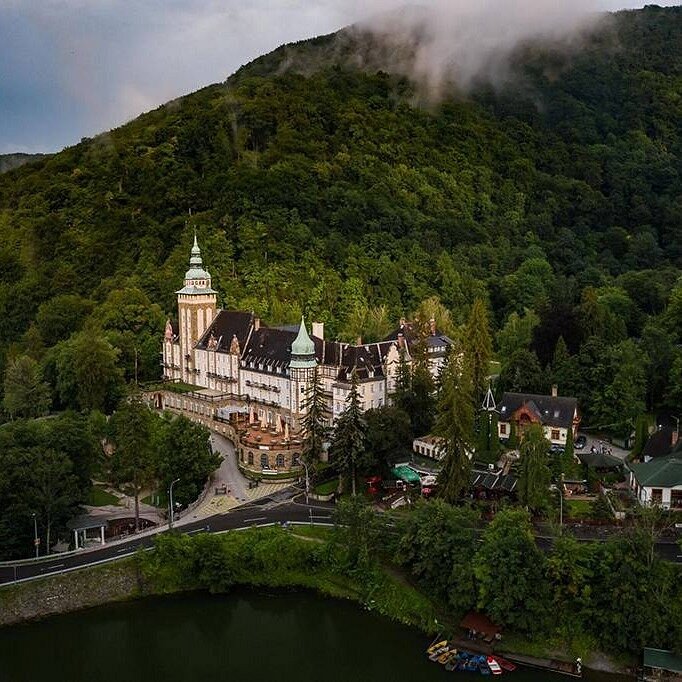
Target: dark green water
243 636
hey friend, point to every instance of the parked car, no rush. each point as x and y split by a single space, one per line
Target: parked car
556 449
580 442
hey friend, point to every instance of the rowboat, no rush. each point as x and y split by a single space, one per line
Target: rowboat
494 666
504 663
447 656
437 645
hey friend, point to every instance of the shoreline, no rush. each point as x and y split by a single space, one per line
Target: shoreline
124 581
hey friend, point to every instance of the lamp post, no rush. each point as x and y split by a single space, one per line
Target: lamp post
36 540
170 501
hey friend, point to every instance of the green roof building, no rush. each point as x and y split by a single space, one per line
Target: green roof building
659 481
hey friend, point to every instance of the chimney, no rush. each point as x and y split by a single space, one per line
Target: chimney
555 390
256 323
403 322
318 330
358 341
432 325
401 340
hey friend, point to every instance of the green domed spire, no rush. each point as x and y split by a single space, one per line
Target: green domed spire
197 279
302 349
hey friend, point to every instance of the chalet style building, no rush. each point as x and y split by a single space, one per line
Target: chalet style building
235 364
558 415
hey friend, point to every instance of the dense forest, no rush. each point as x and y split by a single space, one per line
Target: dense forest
335 192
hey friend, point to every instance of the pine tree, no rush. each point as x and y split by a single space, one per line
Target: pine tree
533 488
403 383
454 425
477 348
314 420
349 443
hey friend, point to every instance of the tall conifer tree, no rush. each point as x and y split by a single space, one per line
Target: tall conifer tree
349 443
455 424
314 420
477 347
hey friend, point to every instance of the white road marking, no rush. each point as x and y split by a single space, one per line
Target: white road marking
260 518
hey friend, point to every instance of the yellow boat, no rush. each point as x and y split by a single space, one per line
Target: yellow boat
438 645
444 658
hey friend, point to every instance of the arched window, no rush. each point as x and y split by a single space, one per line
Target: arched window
263 461
296 459
251 458
280 461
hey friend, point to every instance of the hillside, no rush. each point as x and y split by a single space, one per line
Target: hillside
320 187
9 162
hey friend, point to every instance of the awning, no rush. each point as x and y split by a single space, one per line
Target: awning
660 659
406 474
480 623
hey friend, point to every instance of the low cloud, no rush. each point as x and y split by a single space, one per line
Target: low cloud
70 68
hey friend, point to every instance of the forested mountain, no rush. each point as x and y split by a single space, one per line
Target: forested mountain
320 187
9 162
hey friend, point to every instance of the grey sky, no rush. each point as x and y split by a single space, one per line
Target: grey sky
71 68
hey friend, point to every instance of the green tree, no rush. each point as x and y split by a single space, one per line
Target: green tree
454 425
88 377
134 461
522 373
569 571
389 435
26 394
534 475
517 333
313 423
510 573
477 349
349 441
357 535
55 492
184 451
437 543
622 400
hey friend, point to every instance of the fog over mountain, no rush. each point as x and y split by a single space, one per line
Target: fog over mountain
70 68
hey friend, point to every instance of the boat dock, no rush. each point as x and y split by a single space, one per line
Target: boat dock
552 665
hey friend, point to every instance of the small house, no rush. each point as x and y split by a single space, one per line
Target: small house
558 415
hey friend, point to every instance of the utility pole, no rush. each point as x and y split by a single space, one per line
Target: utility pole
36 539
170 500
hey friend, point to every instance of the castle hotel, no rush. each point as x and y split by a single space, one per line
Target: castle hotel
257 377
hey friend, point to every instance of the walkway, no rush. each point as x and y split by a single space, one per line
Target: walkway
237 484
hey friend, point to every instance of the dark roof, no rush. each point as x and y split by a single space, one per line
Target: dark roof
600 460
663 472
552 411
271 347
225 325
492 480
433 340
480 623
659 443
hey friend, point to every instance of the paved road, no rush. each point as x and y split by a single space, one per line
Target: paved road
252 515
267 511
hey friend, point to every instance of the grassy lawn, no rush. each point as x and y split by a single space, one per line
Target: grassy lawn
326 488
316 532
158 499
98 497
578 509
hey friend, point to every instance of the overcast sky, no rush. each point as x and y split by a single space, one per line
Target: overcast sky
73 68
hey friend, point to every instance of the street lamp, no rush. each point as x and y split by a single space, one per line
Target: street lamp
170 500
36 540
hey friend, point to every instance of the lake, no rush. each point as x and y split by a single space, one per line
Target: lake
240 636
